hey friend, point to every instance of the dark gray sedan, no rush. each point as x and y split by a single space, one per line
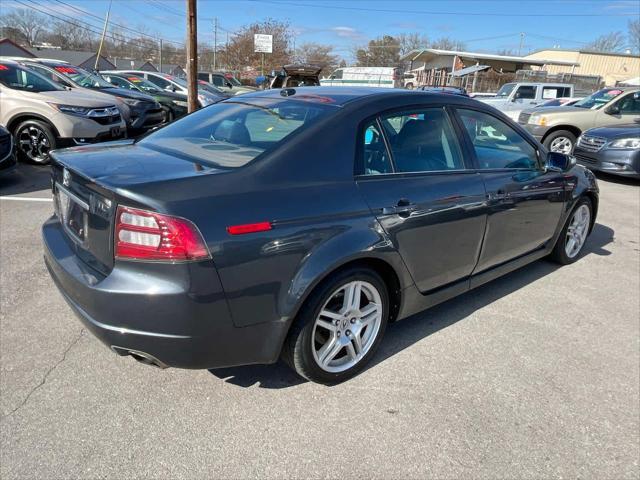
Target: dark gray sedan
298 223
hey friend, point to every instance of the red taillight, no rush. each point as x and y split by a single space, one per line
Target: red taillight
145 235
249 228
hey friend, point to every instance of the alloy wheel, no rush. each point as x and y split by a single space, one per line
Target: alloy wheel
347 326
577 231
34 143
561 145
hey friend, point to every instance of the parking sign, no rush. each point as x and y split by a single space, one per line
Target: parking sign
263 43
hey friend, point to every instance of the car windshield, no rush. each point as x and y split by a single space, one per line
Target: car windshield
18 78
82 77
595 101
231 134
142 84
505 90
209 88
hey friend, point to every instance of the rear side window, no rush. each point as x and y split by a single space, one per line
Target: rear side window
231 134
496 144
422 141
375 157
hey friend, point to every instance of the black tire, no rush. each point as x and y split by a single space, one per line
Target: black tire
298 352
557 136
559 253
43 142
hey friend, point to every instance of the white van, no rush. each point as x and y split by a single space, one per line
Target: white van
384 77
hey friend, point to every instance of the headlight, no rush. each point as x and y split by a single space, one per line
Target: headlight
625 143
72 109
180 103
537 120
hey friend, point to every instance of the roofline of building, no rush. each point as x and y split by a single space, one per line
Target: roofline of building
414 54
589 52
24 49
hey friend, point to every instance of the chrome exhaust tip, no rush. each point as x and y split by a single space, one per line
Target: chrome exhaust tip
139 356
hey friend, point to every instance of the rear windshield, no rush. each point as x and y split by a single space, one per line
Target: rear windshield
22 79
231 134
596 100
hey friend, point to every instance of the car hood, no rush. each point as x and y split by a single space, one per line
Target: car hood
617 131
75 97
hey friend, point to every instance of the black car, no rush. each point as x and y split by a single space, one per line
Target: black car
614 149
174 104
8 156
141 111
298 223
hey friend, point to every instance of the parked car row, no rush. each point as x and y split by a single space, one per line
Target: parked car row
47 104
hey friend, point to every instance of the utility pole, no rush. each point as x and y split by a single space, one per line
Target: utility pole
160 56
192 55
104 32
215 41
521 44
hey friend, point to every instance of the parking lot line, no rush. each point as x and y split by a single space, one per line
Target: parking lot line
26 199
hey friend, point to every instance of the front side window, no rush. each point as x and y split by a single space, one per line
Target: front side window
630 105
231 134
496 144
337 74
160 82
422 141
18 78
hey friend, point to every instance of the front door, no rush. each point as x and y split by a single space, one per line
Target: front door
524 202
626 109
414 178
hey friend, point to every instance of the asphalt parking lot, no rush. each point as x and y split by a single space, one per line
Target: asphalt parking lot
535 375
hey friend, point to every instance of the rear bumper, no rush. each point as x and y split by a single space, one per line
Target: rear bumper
618 162
175 313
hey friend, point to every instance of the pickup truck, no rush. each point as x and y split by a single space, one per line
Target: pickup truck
512 98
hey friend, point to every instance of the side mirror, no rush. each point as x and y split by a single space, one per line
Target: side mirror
332 77
613 110
559 162
229 84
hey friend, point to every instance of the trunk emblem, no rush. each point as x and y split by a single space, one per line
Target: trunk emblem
66 178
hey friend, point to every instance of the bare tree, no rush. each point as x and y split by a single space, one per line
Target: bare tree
30 24
634 35
381 52
240 51
446 43
316 54
611 42
411 41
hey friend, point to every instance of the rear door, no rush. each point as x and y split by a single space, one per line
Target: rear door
524 201
413 175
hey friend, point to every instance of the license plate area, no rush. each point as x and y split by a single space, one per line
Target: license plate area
73 213
115 132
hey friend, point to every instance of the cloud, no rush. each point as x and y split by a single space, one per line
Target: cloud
346 32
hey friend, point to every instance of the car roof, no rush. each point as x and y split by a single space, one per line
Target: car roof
342 95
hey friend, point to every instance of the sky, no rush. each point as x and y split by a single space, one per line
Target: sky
486 26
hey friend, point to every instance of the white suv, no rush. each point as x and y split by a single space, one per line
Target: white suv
43 116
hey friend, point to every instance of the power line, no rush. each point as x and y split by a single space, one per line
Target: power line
426 12
124 27
76 24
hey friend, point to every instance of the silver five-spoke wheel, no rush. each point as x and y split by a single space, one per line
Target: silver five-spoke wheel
347 326
577 231
561 145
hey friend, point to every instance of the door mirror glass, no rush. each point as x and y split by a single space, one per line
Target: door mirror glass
559 162
613 110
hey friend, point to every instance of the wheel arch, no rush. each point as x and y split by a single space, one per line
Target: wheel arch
570 128
23 117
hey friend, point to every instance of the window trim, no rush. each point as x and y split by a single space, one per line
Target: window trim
467 167
472 151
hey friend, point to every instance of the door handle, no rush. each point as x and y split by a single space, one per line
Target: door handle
403 208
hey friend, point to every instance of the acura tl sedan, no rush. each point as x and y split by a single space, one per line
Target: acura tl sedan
299 223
